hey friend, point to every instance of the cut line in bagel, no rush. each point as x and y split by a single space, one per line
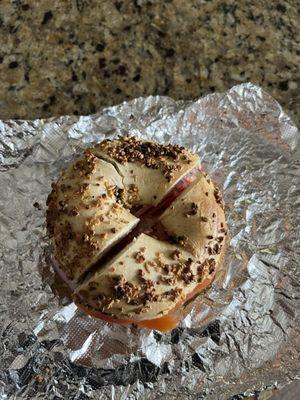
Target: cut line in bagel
83 216
127 206
148 222
152 168
164 201
169 320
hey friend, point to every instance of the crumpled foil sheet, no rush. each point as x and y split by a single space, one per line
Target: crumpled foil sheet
240 337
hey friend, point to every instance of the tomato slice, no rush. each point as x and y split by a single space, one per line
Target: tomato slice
170 197
163 324
175 191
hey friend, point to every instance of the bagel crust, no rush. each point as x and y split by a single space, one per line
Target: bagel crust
83 217
92 208
149 168
196 219
145 280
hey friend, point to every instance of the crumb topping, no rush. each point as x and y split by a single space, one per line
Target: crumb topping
86 166
214 249
176 254
181 240
193 210
124 289
218 196
152 155
139 257
133 194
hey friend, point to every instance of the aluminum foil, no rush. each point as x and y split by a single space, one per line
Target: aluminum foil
241 336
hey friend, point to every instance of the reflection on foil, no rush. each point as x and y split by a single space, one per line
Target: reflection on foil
239 336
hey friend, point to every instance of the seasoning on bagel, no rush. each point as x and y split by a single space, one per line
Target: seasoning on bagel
138 229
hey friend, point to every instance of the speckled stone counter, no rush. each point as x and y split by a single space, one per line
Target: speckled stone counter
73 57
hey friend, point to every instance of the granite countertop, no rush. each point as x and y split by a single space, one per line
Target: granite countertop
73 57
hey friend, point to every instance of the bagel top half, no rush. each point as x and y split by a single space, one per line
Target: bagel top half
150 275
148 169
146 280
89 208
196 219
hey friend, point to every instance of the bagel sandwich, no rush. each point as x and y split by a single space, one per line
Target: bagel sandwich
128 266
